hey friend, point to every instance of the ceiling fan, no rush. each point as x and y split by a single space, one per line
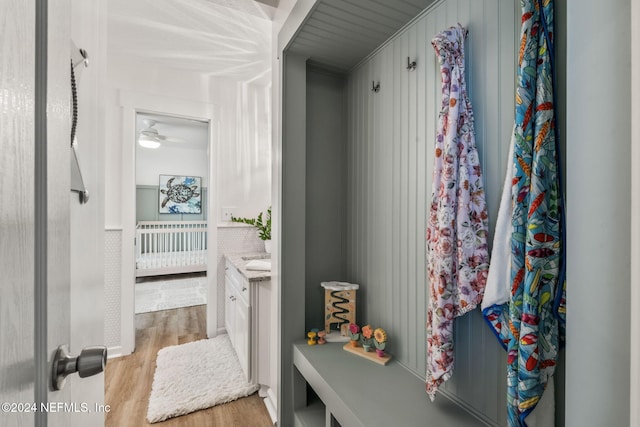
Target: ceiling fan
150 137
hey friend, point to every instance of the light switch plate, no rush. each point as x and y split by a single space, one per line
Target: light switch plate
227 213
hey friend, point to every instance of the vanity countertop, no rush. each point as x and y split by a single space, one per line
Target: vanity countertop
240 261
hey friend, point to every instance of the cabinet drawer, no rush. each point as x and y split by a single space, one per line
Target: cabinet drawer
238 281
232 272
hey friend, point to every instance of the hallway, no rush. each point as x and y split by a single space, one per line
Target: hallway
128 379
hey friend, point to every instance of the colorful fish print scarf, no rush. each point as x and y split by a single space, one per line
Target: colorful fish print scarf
528 326
457 249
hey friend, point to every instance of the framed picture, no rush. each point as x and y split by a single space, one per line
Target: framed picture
180 194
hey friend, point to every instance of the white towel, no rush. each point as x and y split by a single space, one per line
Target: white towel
258 265
497 290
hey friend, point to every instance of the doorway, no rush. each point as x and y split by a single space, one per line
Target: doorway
172 189
165 109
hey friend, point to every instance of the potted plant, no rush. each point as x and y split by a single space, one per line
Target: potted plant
262 224
380 341
367 337
354 334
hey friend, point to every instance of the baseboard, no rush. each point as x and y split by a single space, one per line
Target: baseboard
270 403
113 352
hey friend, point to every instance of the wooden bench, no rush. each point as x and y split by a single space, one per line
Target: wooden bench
354 391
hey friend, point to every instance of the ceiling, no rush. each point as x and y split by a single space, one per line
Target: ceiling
229 38
232 38
340 33
224 38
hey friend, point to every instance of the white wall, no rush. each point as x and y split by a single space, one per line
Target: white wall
127 76
242 162
150 163
244 134
598 135
244 148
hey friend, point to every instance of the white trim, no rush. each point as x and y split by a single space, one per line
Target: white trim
270 402
113 228
276 208
634 392
300 12
233 225
131 103
113 352
127 253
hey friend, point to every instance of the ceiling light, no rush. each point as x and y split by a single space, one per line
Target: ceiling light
148 142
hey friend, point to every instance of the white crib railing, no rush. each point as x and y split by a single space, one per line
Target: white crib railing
170 247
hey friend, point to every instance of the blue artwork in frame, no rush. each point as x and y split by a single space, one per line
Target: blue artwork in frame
180 194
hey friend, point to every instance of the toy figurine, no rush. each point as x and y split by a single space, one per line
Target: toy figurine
321 339
312 338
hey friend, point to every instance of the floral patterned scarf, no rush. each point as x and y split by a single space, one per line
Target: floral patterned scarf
457 251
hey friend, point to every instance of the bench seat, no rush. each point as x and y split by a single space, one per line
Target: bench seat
358 392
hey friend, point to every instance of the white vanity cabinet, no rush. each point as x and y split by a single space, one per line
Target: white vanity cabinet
247 321
237 313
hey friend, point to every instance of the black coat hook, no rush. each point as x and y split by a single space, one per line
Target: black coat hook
375 86
411 65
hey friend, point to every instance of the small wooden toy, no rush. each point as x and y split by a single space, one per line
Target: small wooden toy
321 335
379 340
339 306
312 338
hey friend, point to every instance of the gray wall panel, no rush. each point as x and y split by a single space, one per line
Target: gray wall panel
292 239
325 190
390 158
384 316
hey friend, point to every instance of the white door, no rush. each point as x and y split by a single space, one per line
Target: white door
35 214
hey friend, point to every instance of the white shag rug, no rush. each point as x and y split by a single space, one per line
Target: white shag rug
194 376
169 294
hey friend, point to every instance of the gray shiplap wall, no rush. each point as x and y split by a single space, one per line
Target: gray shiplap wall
390 161
325 190
340 33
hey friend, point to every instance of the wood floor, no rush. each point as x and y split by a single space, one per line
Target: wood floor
128 379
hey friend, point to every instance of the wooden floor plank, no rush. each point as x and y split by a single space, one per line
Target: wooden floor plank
128 379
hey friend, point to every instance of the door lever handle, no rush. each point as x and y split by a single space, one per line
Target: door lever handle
91 361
